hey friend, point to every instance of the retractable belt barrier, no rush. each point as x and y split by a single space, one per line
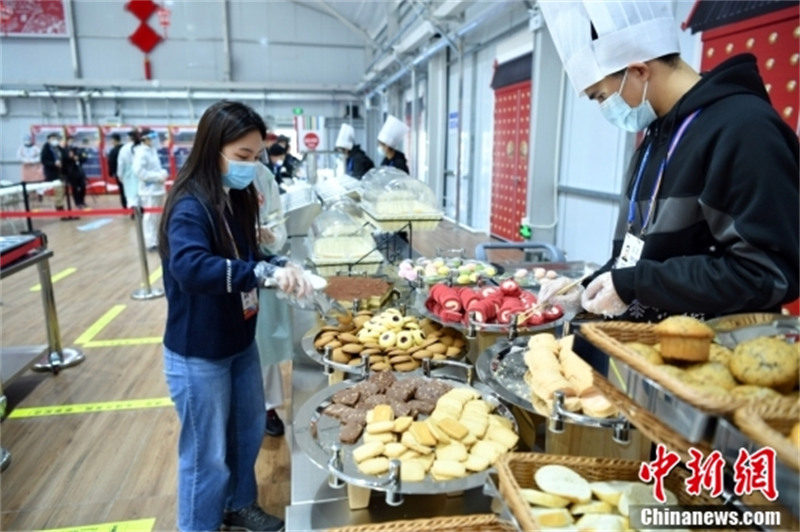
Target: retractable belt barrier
147 291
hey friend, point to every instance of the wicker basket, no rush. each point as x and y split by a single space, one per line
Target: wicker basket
737 321
516 470
461 523
646 422
768 425
610 337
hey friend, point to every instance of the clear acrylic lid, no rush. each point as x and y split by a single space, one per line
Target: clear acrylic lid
334 223
348 206
400 190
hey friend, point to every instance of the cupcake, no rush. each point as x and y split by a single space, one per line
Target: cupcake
684 338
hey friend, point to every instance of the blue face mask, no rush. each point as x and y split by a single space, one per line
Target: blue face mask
240 174
618 112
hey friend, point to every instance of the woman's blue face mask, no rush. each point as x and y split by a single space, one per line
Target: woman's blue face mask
240 173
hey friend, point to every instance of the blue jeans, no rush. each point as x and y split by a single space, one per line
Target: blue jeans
220 405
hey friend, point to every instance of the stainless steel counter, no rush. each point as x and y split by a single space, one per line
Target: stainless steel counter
316 506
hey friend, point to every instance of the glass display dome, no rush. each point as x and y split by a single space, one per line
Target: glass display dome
335 234
398 196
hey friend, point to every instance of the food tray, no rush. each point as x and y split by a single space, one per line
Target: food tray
472 328
316 434
307 345
649 406
730 330
764 425
393 222
502 368
369 264
609 337
459 523
365 303
516 470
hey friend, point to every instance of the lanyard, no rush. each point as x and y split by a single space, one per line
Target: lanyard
657 186
350 165
230 235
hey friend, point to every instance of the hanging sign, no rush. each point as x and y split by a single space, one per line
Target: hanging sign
311 140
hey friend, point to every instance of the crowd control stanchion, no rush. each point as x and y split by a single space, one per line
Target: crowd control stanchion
147 291
58 357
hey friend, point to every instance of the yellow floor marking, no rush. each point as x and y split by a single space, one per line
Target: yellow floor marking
98 326
86 408
123 342
140 525
55 278
155 276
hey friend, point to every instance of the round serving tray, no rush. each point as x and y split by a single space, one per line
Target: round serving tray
474 327
307 344
502 368
317 434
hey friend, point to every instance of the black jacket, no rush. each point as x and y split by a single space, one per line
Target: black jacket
72 162
724 237
49 155
358 163
398 161
113 157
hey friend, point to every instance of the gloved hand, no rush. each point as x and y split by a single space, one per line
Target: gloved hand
265 235
293 281
569 302
600 297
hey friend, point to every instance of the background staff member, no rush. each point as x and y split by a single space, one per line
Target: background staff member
53 168
390 138
709 224
151 178
113 158
278 165
30 155
356 162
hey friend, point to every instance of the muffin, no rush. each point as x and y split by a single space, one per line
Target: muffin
645 351
712 373
684 338
766 361
719 353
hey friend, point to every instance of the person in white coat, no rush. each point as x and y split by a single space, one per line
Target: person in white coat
151 176
274 325
125 169
29 155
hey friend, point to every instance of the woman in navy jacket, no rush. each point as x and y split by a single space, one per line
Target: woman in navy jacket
212 270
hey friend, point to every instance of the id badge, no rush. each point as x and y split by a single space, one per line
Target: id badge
250 303
631 251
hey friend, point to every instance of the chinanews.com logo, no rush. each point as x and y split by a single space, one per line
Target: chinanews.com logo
752 472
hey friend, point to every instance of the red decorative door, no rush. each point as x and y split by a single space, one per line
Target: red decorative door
773 38
512 116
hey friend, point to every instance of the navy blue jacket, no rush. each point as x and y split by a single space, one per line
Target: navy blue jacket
205 318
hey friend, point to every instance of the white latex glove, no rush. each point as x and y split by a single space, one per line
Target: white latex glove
301 285
600 297
569 302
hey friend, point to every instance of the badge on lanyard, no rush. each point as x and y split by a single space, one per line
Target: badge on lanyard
631 251
250 303
633 245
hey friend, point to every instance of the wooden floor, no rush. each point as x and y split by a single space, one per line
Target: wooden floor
73 470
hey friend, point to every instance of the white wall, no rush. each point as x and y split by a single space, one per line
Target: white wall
594 156
271 42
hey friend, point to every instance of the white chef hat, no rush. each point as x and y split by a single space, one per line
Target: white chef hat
392 132
346 137
627 32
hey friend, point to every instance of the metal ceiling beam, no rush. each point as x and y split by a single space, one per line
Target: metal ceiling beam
226 43
116 86
56 94
338 16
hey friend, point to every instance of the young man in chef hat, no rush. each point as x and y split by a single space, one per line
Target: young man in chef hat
356 162
709 224
390 138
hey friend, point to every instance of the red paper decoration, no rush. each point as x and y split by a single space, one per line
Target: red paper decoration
141 9
144 38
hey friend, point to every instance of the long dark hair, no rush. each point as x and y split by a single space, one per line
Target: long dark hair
222 123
